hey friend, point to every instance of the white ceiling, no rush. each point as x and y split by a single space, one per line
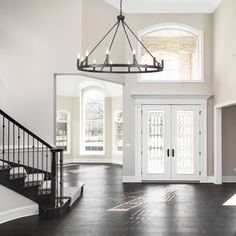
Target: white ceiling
71 86
167 6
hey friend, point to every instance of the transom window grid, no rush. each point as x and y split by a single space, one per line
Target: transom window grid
180 51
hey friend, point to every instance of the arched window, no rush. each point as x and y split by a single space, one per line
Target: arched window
63 130
92 121
181 49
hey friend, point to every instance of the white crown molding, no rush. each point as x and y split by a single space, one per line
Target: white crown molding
167 6
200 99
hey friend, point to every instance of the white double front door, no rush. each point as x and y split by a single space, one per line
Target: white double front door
170 142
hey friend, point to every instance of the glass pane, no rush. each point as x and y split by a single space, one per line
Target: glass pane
178 48
156 156
185 142
93 120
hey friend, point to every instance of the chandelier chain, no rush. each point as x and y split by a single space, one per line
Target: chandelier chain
121 10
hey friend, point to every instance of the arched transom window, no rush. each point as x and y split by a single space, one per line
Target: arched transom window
179 47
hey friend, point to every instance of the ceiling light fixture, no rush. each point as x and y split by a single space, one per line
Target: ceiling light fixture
84 64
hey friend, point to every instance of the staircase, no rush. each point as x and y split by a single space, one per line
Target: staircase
32 167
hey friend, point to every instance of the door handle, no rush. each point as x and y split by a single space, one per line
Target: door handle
173 152
168 152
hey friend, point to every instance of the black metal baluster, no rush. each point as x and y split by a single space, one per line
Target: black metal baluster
3 140
57 194
53 178
37 161
23 148
42 168
18 161
47 160
8 144
61 178
13 148
33 161
28 155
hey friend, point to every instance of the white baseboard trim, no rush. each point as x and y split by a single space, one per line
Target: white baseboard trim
131 179
99 161
117 162
138 179
17 213
211 179
229 179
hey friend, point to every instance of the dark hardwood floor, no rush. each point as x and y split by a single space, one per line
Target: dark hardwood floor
110 208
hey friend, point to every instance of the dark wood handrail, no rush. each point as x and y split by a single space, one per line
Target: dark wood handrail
25 129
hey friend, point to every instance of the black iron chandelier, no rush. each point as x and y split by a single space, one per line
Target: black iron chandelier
84 64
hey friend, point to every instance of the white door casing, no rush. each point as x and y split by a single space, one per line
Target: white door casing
141 99
170 142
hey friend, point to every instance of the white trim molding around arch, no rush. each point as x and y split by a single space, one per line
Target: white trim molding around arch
142 99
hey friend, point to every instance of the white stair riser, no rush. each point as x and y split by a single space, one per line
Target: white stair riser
3 164
46 184
16 170
34 177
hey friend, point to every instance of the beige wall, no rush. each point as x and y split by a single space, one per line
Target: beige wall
37 39
41 38
199 21
229 139
224 47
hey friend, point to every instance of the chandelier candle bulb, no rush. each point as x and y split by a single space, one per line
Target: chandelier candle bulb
87 53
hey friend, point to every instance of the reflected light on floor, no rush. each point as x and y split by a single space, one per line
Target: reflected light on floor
231 201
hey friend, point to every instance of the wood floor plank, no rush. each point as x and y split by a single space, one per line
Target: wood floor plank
110 208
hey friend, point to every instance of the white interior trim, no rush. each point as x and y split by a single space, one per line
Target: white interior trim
218 145
182 27
218 140
229 179
167 6
98 161
166 99
17 213
131 179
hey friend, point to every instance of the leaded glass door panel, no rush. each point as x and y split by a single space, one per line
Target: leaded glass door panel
156 141
170 142
185 142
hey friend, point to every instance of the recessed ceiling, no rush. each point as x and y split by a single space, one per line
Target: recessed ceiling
167 6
